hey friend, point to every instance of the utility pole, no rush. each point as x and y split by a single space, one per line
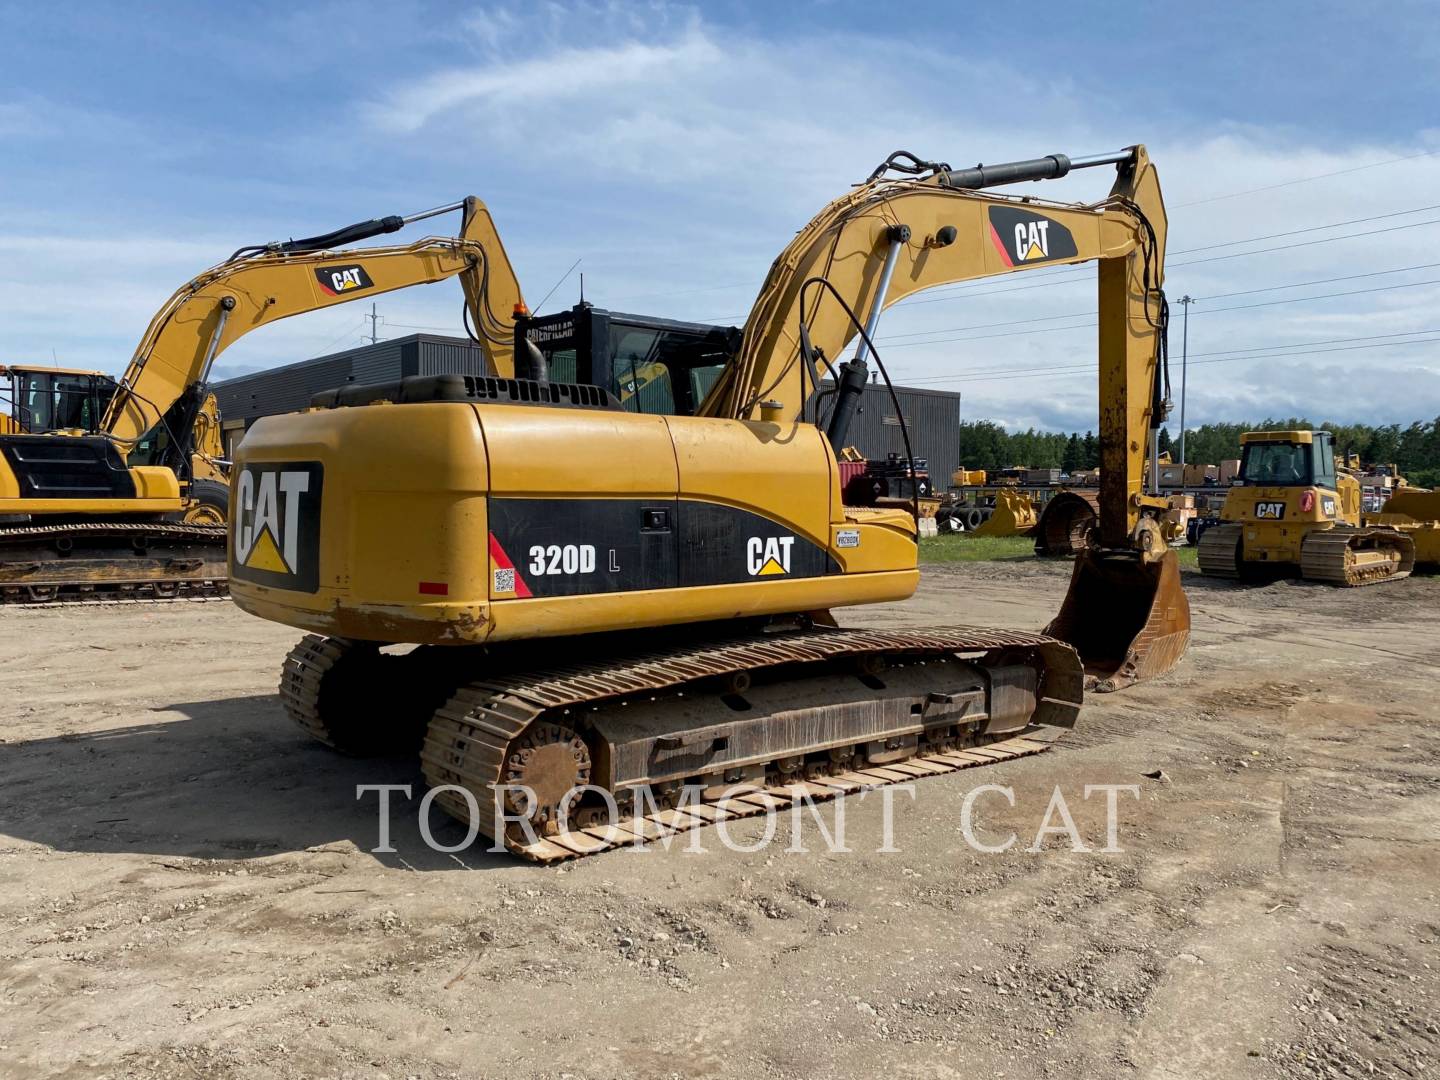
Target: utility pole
1187 300
374 318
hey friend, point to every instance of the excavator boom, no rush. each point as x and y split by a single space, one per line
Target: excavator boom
129 499
894 236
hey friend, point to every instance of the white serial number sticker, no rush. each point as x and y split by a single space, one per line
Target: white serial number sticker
847 538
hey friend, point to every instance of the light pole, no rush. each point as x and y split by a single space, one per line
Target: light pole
1187 300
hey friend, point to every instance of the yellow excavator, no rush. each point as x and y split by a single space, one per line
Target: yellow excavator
1294 507
623 613
36 399
112 491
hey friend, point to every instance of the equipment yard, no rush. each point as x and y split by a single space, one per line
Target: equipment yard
186 885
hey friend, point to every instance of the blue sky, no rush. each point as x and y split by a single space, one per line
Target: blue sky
676 148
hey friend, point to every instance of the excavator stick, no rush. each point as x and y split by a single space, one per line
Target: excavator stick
1128 618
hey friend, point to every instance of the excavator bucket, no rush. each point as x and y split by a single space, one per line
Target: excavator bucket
1014 514
1129 620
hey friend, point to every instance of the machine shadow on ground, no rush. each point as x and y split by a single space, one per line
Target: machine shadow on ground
233 779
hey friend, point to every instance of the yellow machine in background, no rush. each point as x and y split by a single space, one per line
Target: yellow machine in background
1417 515
1013 515
118 488
1294 508
652 580
38 399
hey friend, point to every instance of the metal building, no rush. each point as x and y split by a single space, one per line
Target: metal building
245 399
931 416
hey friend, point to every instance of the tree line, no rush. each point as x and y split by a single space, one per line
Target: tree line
1414 449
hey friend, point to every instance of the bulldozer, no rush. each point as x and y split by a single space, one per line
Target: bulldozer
117 489
1416 513
1294 508
599 620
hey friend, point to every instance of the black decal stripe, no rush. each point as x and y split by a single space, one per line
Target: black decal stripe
690 543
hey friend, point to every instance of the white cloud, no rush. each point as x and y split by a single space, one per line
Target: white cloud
678 158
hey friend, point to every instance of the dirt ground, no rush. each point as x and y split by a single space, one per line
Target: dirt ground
186 886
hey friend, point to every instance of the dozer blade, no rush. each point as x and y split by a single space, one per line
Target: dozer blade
1129 620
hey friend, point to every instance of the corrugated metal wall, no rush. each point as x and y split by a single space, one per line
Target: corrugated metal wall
448 356
286 389
932 418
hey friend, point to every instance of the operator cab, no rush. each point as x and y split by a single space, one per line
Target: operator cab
35 400
650 365
1288 459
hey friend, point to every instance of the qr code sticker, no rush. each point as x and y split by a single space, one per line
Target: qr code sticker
504 581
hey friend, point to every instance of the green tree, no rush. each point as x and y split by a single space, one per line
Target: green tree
1074 456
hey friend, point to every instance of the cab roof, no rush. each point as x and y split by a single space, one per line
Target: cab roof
46 369
1303 437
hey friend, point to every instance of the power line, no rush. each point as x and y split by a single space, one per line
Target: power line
441 329
1079 369
1306 179
895 344
1252 352
1077 270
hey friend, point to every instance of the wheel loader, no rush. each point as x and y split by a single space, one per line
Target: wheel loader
1294 509
618 609
112 488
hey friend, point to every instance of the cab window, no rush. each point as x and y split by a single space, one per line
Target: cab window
1323 463
1276 463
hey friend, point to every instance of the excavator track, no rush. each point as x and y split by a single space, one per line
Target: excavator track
1219 551
710 729
1352 556
88 562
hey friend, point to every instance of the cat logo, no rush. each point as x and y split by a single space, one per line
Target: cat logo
276 535
1327 504
766 556
1269 511
1021 236
335 280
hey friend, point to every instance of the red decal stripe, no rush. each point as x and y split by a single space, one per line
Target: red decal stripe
502 562
1000 247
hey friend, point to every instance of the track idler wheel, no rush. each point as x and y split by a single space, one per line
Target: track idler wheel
1126 615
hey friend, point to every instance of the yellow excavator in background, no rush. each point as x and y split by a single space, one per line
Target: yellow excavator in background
1293 506
119 494
38 399
638 599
